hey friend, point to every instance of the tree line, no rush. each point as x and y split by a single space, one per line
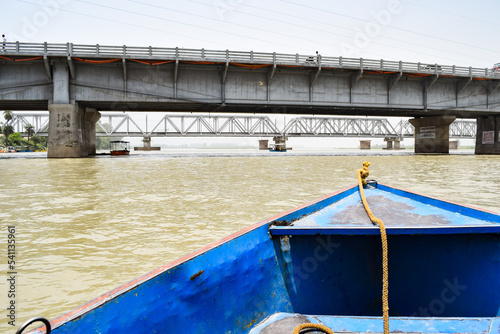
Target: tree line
10 138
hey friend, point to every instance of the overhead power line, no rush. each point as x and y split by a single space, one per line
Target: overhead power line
392 27
330 25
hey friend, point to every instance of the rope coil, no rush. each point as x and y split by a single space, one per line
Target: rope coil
304 328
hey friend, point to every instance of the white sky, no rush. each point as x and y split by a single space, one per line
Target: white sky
458 32
450 32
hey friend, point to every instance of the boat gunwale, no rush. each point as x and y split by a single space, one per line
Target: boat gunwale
369 230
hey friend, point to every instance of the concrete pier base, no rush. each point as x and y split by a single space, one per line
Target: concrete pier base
280 143
432 134
92 116
71 131
365 144
263 144
392 143
488 135
146 146
453 144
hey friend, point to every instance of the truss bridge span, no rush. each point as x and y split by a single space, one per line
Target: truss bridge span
224 125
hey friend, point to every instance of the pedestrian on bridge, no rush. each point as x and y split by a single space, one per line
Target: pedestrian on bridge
4 40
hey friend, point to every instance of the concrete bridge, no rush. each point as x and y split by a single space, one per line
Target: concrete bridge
75 82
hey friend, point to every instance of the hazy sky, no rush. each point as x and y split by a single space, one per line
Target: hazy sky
456 32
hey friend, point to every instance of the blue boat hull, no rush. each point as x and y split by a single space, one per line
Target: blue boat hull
268 278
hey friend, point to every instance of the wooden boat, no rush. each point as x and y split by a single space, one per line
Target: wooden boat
120 147
321 263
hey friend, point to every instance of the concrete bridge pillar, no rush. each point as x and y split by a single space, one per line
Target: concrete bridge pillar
92 116
71 127
146 142
146 145
392 143
280 143
432 134
488 135
71 131
263 144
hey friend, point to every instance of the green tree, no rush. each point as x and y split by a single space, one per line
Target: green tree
16 139
7 114
40 143
30 130
7 130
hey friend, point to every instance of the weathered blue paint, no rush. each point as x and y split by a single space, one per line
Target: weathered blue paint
398 324
444 260
449 206
227 289
429 275
322 263
315 206
402 213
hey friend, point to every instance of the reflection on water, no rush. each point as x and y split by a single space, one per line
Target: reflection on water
85 226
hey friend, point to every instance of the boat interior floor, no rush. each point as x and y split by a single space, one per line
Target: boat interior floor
285 323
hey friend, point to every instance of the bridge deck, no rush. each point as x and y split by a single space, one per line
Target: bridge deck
117 78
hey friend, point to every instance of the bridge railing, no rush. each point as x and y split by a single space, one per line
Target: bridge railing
131 52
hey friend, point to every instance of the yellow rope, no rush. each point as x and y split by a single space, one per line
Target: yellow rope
362 174
319 327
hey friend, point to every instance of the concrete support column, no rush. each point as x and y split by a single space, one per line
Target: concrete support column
71 131
392 143
60 83
389 143
432 134
92 116
146 145
146 142
280 143
488 135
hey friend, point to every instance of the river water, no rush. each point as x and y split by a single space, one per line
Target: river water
86 226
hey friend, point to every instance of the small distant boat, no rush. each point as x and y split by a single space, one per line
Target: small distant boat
120 147
320 264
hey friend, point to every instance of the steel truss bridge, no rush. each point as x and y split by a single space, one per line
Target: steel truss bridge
209 125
